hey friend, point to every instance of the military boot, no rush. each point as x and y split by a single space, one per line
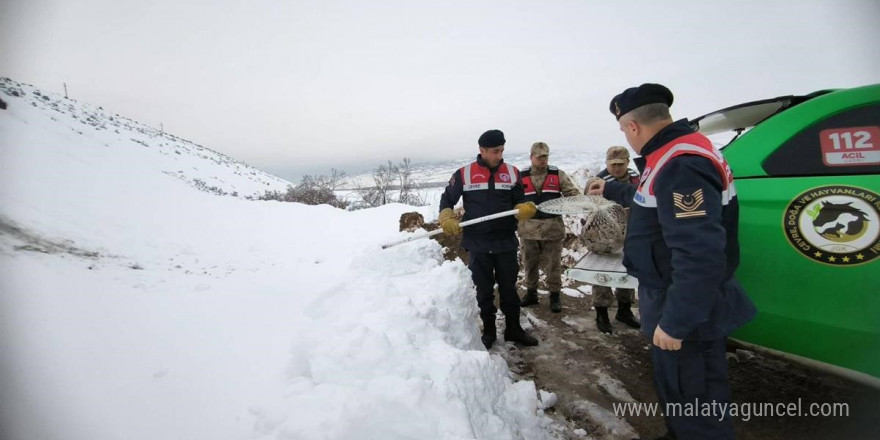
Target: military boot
602 321
530 299
625 315
513 331
489 331
555 303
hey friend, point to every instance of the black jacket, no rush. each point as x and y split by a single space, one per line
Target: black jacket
690 258
494 236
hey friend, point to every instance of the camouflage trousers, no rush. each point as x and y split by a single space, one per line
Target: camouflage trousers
546 253
602 296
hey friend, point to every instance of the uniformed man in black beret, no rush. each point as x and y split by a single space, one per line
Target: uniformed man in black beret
682 246
489 186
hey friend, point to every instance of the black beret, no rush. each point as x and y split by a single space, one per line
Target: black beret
635 97
492 138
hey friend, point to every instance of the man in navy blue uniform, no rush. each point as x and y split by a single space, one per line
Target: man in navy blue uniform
682 246
489 186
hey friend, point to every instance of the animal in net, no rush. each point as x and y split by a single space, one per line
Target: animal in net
605 229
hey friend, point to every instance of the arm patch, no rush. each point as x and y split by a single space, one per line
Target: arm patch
688 204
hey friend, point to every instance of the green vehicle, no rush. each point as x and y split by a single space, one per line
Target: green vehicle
807 172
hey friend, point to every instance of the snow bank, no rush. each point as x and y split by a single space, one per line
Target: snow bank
134 306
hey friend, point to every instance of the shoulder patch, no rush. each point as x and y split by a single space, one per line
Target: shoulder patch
689 204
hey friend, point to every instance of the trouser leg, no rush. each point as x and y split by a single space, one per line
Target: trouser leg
602 296
551 256
506 270
482 268
625 295
688 381
531 255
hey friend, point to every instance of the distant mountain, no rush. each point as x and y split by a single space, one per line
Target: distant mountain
201 168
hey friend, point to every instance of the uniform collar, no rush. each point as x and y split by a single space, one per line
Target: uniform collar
626 177
536 172
669 133
483 163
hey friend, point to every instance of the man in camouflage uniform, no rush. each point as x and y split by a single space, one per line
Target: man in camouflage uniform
541 236
616 169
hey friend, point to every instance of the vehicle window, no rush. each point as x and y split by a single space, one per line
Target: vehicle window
845 143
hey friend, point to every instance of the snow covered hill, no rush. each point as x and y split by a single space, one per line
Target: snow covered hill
134 306
109 136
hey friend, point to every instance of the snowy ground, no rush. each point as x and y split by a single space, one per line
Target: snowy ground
135 306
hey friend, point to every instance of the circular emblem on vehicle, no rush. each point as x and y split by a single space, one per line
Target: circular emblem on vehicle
835 224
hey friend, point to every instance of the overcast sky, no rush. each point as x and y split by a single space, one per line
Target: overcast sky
297 87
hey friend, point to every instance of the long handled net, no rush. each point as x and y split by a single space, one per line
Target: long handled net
599 211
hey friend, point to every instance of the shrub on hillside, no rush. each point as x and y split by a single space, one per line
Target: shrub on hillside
311 190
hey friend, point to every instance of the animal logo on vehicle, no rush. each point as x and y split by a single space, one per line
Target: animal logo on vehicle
837 225
840 221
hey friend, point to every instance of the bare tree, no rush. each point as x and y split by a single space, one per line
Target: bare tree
406 194
391 178
383 181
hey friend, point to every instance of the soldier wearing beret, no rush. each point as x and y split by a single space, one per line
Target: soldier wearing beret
489 186
682 246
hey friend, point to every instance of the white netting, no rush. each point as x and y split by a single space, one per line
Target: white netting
605 226
582 204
